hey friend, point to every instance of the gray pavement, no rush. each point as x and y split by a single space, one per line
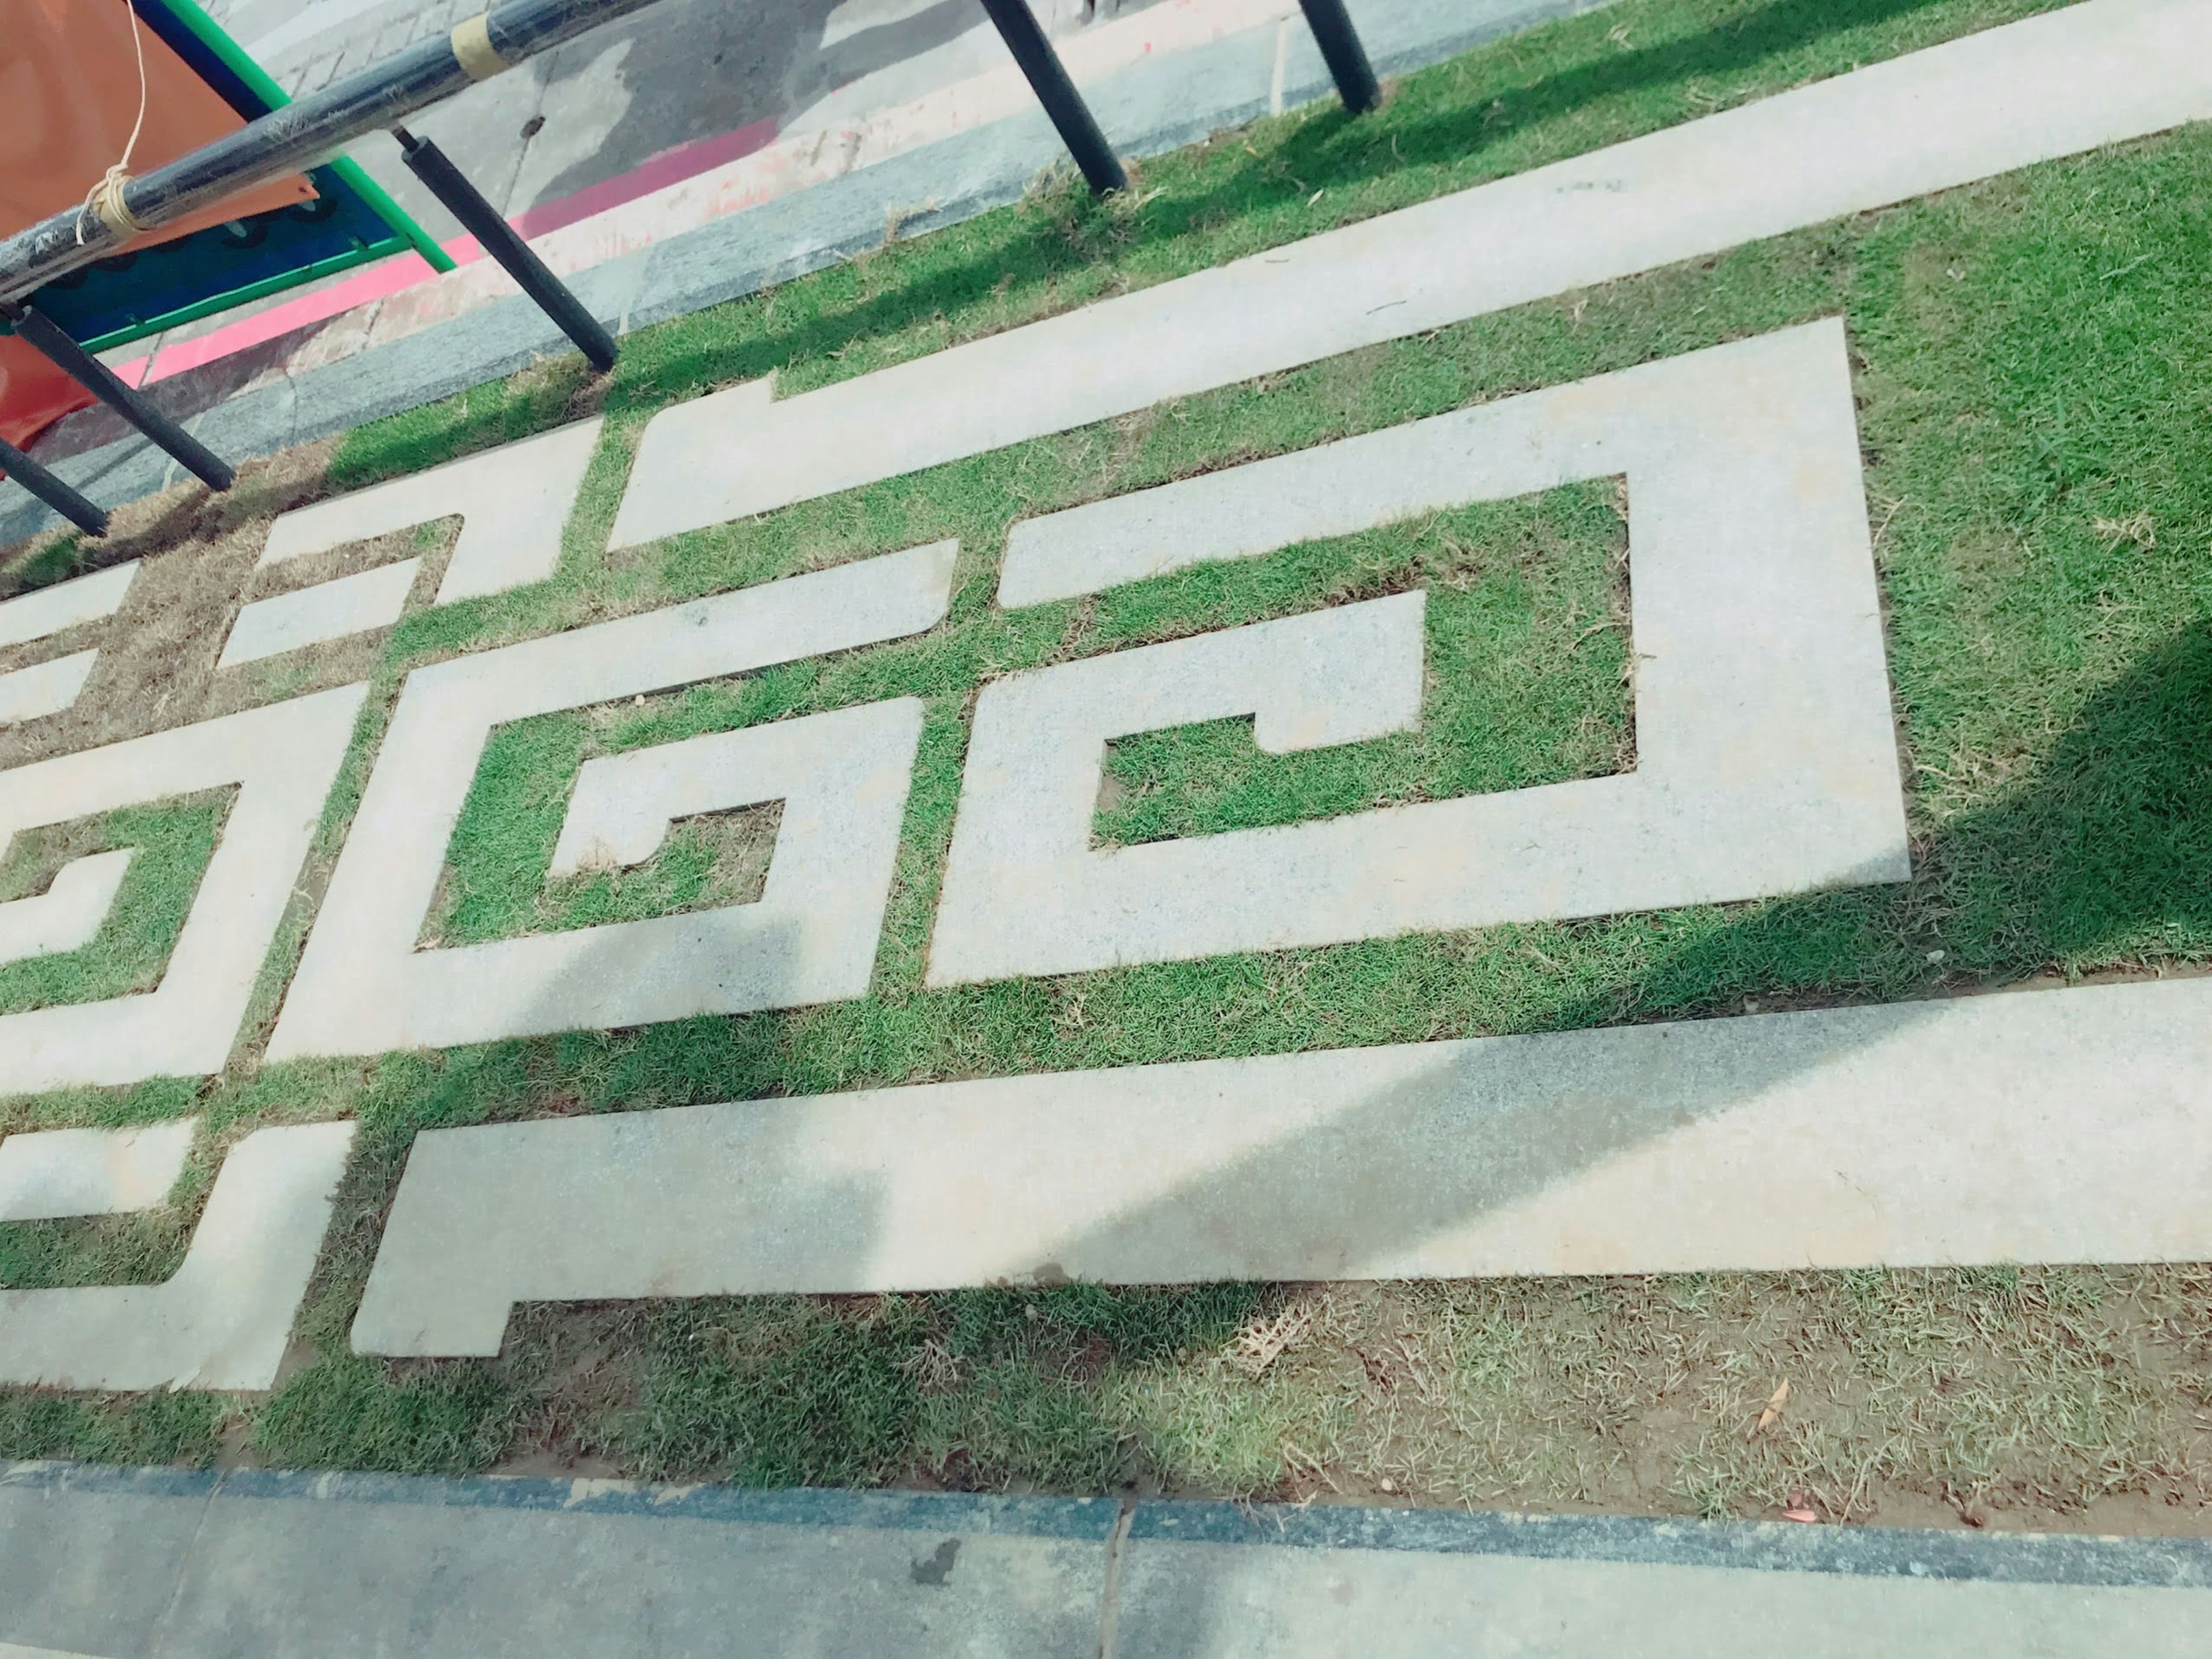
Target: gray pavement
680 70
140 1564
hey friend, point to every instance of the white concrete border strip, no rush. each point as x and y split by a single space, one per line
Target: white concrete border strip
1766 761
282 757
2091 74
47 687
363 987
223 1319
2070 1126
513 501
51 1173
313 615
49 610
67 915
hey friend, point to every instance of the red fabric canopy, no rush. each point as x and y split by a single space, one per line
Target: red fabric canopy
68 94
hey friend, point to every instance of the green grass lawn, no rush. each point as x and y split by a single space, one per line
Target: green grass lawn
174 841
2035 386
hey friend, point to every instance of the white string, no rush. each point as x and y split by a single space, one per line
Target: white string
105 199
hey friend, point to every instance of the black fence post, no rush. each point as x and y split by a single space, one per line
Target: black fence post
1047 78
51 491
1345 57
52 342
498 238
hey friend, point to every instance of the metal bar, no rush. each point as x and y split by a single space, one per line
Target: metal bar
259 81
392 213
1047 78
299 136
499 239
1341 51
87 517
52 342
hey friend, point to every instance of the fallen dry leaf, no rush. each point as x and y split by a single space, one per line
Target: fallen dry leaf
1774 1405
1254 1348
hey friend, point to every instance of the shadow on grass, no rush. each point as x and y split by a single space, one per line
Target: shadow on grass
1338 151
1065 233
2101 858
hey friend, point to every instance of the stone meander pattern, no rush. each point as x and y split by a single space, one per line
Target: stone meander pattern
2072 1125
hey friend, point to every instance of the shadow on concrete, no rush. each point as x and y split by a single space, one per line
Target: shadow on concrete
2106 851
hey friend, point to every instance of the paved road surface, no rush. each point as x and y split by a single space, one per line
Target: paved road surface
123 1565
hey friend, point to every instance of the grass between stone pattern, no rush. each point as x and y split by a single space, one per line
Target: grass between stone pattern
2034 377
174 842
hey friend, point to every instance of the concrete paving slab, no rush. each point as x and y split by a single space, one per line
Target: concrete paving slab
2069 1126
65 606
1180 1598
314 616
362 986
498 1574
282 757
47 687
223 1319
513 501
69 914
2083 76
1767 759
90 1559
624 804
53 1173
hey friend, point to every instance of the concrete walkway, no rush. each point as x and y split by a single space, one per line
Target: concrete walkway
121 1563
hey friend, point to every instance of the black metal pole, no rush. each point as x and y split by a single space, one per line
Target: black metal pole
1345 57
1017 28
55 345
51 491
303 133
498 238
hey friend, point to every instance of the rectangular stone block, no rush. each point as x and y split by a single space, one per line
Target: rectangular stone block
2052 1125
314 616
47 687
65 604
363 985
